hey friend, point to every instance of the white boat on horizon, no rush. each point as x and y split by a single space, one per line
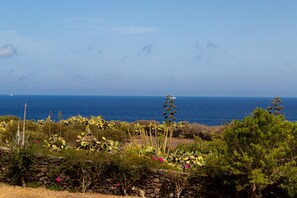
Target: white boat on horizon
173 97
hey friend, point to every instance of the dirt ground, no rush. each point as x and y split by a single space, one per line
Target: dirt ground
7 191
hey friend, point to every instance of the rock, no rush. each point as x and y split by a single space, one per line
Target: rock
156 180
157 190
42 179
171 195
40 174
44 170
148 191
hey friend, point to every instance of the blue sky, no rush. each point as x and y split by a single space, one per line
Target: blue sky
155 48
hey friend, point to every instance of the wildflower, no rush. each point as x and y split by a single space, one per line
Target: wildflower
118 184
36 141
161 159
58 179
154 158
187 166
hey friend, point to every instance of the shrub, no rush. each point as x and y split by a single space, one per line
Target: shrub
83 170
130 169
192 130
20 161
253 157
71 136
185 160
56 143
50 128
115 135
8 118
11 128
90 143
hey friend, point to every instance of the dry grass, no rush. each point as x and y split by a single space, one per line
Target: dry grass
19 192
175 141
203 131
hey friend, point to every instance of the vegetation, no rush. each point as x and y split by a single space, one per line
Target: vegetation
275 107
253 157
170 111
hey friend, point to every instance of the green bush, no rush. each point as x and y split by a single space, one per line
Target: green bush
84 171
20 162
7 118
129 169
50 128
70 135
56 143
186 160
115 135
255 157
90 143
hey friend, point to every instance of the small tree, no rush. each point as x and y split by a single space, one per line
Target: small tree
257 149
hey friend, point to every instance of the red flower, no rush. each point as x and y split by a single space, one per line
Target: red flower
187 166
161 159
36 141
58 179
154 158
118 184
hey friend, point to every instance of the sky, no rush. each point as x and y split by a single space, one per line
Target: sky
149 47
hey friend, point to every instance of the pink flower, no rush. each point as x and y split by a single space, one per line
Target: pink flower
118 184
161 159
58 179
187 166
154 158
36 141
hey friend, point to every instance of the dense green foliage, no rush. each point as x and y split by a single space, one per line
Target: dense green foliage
254 157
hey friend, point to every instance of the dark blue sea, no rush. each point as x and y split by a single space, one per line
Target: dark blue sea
204 110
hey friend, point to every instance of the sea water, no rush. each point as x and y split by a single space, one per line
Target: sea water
204 110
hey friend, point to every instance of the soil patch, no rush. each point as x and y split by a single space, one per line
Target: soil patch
8 191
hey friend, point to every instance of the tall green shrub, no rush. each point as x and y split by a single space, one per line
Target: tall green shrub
257 150
255 157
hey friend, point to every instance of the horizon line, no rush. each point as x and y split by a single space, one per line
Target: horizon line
95 95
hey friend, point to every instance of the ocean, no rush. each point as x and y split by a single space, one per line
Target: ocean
205 110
